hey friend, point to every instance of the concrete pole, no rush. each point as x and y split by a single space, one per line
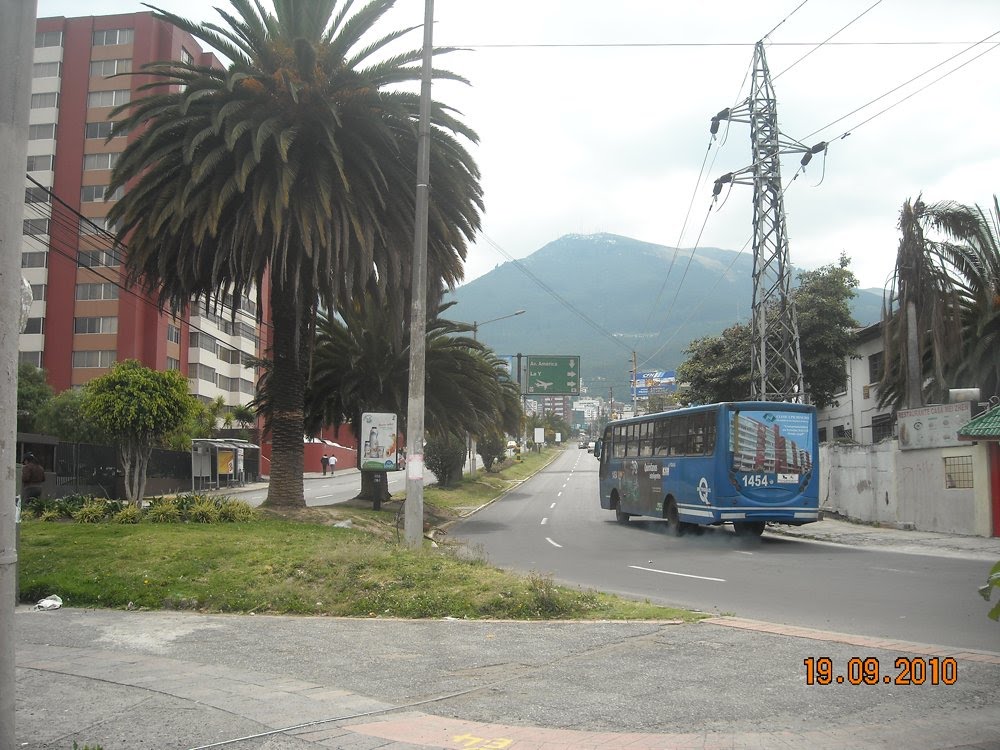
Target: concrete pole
17 46
413 521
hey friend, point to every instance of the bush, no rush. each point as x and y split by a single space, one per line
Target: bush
445 456
49 515
236 511
492 449
163 510
203 511
128 514
93 511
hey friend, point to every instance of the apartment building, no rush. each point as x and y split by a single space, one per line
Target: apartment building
84 317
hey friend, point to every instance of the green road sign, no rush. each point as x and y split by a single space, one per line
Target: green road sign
552 375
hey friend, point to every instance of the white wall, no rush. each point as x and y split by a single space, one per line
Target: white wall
881 484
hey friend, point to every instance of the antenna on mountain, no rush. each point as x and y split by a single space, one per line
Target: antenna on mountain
776 361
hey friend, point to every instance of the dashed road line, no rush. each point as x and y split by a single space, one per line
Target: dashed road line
545 521
554 544
682 575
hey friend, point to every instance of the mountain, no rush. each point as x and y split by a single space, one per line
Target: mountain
628 296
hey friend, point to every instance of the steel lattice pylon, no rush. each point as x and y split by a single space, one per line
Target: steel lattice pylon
776 360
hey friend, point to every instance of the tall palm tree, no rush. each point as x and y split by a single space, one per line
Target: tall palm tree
921 314
290 173
361 364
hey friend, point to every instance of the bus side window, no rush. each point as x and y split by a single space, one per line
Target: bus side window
696 435
678 436
618 449
710 433
646 437
661 437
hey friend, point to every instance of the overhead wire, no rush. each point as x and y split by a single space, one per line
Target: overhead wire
827 40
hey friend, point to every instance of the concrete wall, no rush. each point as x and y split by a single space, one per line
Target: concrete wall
882 484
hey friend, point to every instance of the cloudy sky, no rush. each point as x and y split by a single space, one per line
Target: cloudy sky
594 116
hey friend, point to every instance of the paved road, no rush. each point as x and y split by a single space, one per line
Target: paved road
554 524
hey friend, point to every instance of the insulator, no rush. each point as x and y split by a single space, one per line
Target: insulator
807 157
726 178
715 126
821 146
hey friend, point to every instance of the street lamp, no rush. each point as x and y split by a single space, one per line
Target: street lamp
475 325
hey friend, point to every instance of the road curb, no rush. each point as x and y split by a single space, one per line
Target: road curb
463 516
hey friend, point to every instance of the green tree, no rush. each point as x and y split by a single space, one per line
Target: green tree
492 448
136 406
33 393
292 171
718 367
63 417
445 456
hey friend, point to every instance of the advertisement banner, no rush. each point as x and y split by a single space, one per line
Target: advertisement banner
655 382
226 460
378 442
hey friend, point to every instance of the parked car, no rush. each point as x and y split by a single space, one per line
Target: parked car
591 445
583 444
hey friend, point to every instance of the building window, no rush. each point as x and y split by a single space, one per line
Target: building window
105 68
96 291
40 163
46 70
186 57
35 227
108 98
876 365
37 195
45 101
881 427
103 130
38 292
100 161
104 358
112 36
97 225
246 386
173 363
958 472
173 333
48 39
34 325
31 358
227 384
35 259
822 434
96 259
108 324
842 433
99 194
203 372
46 132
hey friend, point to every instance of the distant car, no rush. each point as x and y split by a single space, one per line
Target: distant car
583 443
590 446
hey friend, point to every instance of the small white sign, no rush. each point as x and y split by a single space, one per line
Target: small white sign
788 478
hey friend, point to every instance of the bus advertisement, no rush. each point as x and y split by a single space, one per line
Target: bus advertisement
747 463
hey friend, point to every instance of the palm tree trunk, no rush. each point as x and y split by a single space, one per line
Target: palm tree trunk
914 381
287 388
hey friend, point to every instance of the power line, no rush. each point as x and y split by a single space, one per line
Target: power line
796 10
629 45
827 40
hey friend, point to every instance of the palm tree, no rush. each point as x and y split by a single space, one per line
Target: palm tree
290 174
941 317
361 364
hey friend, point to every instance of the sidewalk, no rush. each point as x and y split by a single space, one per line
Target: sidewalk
899 540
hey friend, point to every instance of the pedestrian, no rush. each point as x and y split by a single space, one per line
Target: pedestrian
324 462
32 478
333 464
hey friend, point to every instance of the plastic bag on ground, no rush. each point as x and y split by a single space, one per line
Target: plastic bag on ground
49 602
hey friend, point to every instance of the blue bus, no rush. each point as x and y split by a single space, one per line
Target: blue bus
746 463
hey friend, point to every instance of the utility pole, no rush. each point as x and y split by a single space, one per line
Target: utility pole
635 383
413 521
17 47
776 359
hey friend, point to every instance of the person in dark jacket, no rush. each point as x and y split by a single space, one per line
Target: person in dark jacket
32 477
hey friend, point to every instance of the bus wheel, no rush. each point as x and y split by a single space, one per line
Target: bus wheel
674 525
749 528
620 515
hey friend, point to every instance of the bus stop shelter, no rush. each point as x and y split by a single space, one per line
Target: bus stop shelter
218 463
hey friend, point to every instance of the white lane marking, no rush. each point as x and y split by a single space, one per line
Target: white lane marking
544 521
320 497
559 494
554 544
744 552
682 575
552 506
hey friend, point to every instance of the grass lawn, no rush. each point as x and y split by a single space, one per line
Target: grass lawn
300 563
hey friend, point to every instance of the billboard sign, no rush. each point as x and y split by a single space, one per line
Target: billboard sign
655 382
378 442
552 375
932 426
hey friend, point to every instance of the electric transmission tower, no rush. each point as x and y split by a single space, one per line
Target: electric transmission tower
776 361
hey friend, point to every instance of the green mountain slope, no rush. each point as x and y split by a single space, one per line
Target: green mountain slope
602 296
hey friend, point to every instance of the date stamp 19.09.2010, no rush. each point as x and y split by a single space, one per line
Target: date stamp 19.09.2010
906 670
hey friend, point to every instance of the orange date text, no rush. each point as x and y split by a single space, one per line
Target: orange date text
906 670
